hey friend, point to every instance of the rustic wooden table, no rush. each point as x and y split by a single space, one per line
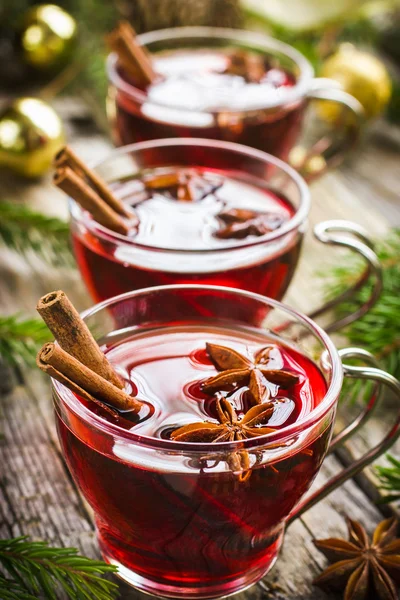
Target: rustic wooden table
38 497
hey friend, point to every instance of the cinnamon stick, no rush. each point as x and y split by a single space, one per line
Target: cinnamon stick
131 55
73 185
117 44
66 369
67 158
74 387
73 335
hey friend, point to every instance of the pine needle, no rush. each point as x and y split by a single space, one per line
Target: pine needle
95 19
20 339
389 478
34 568
24 230
378 330
11 590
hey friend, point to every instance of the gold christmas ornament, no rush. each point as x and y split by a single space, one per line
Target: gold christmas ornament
360 74
31 133
48 36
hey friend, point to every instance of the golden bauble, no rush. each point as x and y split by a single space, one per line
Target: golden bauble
360 74
31 133
48 36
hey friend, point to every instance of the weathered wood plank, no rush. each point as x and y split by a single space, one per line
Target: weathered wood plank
373 175
331 199
38 498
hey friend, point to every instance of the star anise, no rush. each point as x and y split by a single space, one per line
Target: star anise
186 187
230 428
367 570
249 66
238 370
240 223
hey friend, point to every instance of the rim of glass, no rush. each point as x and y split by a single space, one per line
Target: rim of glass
296 92
332 393
295 221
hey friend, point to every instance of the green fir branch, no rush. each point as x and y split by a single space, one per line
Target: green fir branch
378 330
12 590
20 339
34 568
24 230
95 19
389 478
393 110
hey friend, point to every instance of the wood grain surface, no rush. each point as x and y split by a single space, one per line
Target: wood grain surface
37 495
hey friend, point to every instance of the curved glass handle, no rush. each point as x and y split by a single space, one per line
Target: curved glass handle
330 150
352 236
370 374
369 407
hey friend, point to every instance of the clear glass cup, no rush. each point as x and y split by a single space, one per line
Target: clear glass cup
273 126
175 517
111 263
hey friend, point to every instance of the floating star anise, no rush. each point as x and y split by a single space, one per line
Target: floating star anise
365 569
230 428
238 370
187 187
240 223
249 66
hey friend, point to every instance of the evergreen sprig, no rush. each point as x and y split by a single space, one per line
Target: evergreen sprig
20 339
378 330
94 19
24 230
11 590
33 568
389 478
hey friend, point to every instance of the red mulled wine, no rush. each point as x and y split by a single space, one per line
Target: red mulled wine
214 93
195 225
185 520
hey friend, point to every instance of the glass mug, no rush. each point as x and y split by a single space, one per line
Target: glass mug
174 516
111 263
273 125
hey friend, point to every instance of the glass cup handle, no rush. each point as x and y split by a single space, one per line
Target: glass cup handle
379 377
330 150
352 236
